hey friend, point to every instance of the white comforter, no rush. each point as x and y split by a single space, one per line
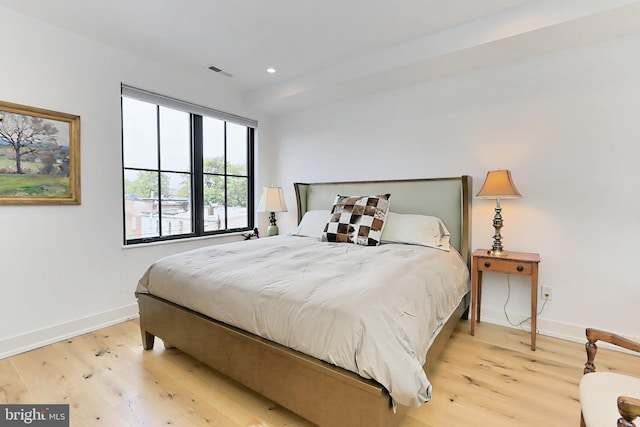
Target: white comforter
372 310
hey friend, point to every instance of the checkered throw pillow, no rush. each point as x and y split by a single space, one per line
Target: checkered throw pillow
358 219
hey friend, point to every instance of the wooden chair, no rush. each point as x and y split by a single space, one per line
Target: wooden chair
599 391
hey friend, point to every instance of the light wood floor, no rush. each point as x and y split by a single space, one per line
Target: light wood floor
492 379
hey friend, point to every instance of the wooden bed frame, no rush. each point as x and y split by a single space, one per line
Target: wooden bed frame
318 391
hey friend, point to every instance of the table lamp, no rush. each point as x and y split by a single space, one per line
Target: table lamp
272 200
498 185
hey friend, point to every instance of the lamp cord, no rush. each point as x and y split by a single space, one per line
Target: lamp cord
528 319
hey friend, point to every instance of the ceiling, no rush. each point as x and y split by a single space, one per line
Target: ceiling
331 49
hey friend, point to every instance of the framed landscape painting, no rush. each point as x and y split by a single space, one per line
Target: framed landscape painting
39 156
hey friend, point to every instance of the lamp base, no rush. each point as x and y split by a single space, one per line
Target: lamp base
496 248
272 230
497 252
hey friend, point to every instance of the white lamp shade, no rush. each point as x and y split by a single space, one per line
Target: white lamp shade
272 200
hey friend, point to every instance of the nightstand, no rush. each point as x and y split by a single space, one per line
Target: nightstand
517 263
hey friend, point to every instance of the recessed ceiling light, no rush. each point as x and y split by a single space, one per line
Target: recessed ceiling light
271 70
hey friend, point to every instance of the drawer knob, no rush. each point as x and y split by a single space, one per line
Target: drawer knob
487 264
520 268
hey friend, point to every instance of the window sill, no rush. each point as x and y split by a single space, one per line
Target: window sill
230 237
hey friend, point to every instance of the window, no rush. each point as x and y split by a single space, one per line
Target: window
187 170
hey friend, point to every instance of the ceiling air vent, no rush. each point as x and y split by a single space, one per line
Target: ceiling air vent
218 70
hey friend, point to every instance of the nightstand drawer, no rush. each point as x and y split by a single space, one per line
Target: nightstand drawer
504 266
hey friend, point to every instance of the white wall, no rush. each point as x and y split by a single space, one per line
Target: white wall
63 268
567 126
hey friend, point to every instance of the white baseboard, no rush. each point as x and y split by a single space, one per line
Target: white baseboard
565 331
29 341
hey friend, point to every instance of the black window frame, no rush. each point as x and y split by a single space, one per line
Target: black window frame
196 115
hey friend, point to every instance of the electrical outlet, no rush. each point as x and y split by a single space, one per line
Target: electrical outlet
546 293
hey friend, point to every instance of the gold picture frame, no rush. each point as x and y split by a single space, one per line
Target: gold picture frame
39 156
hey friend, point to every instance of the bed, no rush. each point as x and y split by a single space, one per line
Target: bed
322 392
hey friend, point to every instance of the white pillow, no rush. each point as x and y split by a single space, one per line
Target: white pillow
413 229
312 224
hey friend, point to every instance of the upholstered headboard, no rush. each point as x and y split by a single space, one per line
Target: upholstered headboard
446 198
